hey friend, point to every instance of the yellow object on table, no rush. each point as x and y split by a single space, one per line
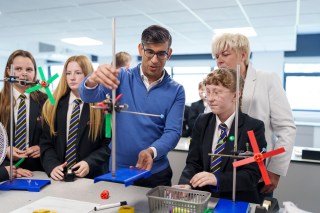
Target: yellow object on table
44 211
126 209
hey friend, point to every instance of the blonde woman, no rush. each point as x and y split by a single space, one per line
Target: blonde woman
263 98
90 150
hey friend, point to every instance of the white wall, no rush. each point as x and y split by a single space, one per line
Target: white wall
269 61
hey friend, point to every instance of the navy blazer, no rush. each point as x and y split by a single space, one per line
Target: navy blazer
198 159
53 148
196 109
35 131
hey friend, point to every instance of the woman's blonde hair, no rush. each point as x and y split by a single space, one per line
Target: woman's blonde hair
227 78
49 111
237 42
6 93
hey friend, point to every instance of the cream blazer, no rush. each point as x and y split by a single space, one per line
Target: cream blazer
264 98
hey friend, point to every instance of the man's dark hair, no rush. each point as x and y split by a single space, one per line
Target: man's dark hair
156 34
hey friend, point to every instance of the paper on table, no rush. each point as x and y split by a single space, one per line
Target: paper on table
59 205
290 207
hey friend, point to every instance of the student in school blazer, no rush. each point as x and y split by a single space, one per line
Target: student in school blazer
35 131
217 177
53 149
201 145
91 151
24 68
196 109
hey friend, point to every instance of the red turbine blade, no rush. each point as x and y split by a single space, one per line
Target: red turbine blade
264 173
273 152
253 141
118 97
243 162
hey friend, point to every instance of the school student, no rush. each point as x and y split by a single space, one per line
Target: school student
73 131
27 112
211 134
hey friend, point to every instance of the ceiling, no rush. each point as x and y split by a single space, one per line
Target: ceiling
26 23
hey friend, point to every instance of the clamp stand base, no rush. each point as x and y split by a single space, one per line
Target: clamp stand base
31 185
124 175
228 206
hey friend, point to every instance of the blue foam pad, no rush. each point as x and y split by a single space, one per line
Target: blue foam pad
31 185
124 175
228 206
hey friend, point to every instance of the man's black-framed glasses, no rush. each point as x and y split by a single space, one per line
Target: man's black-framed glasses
162 55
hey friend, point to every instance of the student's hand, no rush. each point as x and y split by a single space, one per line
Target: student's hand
14 170
81 169
17 154
145 160
274 178
57 172
23 173
203 179
33 151
105 75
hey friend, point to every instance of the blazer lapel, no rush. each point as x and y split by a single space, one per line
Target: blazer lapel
248 89
33 117
62 122
207 142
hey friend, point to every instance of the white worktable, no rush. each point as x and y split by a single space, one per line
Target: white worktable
82 190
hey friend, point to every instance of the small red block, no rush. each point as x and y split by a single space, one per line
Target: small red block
104 194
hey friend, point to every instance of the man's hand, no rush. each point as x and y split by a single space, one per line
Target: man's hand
33 151
17 154
145 160
203 179
105 75
274 178
81 169
57 172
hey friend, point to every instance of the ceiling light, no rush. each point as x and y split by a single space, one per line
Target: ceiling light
247 31
82 41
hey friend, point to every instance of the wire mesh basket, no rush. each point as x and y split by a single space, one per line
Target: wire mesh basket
174 200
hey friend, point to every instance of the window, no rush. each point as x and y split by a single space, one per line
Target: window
190 77
302 86
53 70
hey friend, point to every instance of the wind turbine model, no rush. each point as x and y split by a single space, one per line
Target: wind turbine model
44 84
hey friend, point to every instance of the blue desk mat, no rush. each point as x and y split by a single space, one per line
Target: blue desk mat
31 185
124 175
228 206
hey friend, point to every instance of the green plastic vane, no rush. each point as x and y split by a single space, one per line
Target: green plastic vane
44 84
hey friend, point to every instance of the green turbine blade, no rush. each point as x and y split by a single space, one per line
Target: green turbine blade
51 99
32 89
51 79
108 125
41 74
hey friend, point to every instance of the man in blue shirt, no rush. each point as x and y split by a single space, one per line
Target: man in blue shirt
143 141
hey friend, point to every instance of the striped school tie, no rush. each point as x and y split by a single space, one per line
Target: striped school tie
72 135
216 160
21 125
